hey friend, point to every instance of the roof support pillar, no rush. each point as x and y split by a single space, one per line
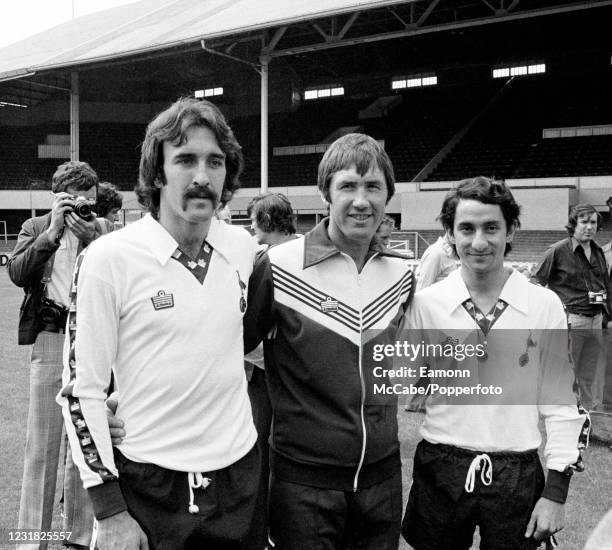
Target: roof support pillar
265 61
74 115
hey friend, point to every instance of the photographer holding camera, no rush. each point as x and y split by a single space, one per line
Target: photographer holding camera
575 268
42 264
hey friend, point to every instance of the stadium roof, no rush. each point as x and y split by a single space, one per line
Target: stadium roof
151 25
151 28
154 26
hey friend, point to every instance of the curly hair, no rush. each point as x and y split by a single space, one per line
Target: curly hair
359 150
171 125
108 199
487 191
74 173
272 212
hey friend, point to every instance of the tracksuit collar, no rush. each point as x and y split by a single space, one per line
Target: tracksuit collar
318 246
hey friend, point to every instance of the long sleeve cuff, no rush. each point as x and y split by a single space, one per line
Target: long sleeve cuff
557 486
107 499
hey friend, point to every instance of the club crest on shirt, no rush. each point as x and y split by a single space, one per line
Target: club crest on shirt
329 304
162 300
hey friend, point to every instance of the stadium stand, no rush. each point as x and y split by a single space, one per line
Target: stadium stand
507 141
564 157
112 149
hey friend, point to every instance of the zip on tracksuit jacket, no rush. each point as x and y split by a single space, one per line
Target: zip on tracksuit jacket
320 318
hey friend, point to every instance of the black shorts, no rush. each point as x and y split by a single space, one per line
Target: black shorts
158 499
312 518
442 515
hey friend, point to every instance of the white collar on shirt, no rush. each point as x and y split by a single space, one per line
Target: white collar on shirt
514 291
163 245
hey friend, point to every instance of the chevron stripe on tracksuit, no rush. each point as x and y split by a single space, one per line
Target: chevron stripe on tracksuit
320 318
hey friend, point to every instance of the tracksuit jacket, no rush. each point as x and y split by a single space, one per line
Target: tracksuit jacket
320 319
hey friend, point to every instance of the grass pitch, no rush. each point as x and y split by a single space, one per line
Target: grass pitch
589 498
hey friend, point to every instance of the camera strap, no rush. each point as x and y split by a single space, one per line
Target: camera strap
598 257
47 274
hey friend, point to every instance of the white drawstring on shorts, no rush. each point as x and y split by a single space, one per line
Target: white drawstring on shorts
482 464
195 481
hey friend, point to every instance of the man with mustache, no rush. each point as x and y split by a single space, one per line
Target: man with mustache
160 305
575 268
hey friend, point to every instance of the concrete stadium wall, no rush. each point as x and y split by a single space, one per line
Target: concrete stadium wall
545 202
542 209
544 206
596 191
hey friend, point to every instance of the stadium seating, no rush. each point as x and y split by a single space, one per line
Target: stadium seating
111 149
568 157
505 141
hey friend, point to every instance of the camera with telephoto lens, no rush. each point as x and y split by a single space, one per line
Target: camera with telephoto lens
51 313
82 208
597 298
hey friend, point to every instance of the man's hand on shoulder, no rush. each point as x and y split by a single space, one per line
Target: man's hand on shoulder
121 532
115 424
85 231
546 519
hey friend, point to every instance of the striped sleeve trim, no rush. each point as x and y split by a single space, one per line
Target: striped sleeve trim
583 441
90 452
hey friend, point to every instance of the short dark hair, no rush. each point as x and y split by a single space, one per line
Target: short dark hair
581 210
74 173
171 125
387 220
487 191
226 196
108 199
272 212
359 150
